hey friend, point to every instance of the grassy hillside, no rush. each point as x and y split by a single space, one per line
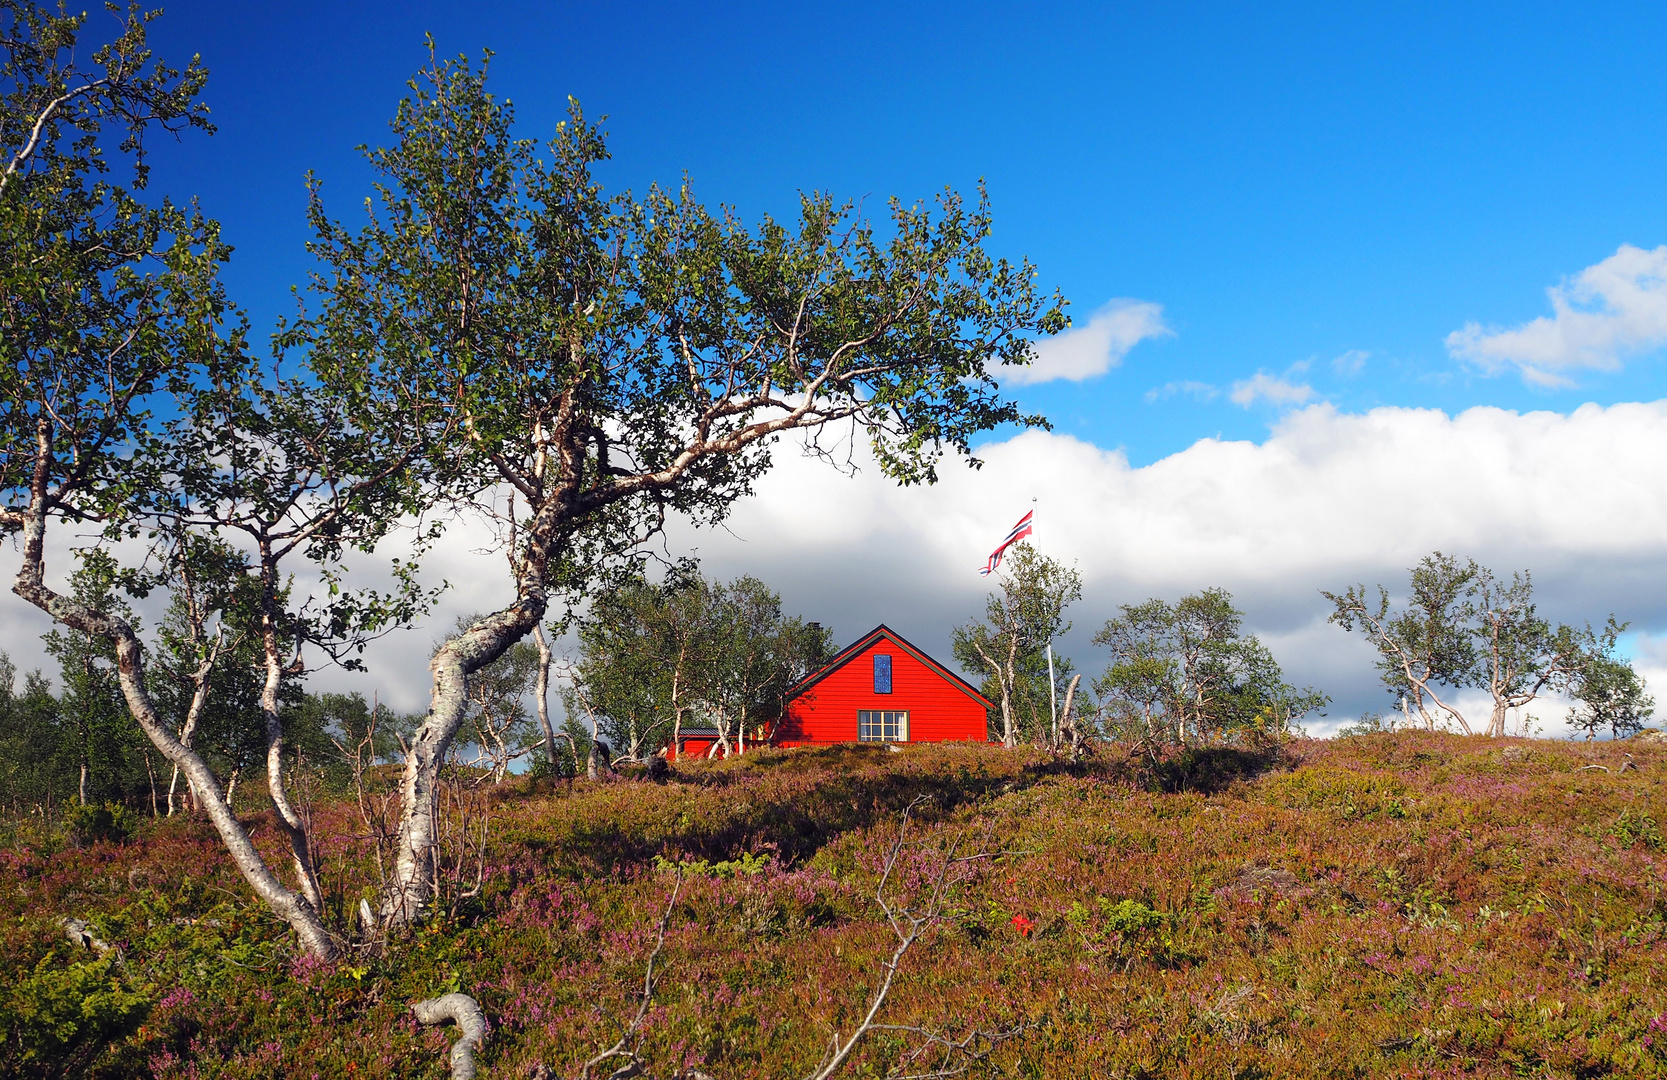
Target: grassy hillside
1386 905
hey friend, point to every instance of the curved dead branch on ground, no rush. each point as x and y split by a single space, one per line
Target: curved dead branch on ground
462 1010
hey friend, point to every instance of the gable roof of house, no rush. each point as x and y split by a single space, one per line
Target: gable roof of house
856 648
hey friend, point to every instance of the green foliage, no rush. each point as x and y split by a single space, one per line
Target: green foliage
1187 672
747 864
1635 828
58 1019
111 823
330 726
108 304
689 650
100 753
1464 626
37 770
1129 917
1347 793
1611 695
616 357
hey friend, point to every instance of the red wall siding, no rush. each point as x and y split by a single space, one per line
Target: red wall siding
939 710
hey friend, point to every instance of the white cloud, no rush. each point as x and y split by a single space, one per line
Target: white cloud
1087 351
1327 500
1201 390
1351 362
1604 313
1264 387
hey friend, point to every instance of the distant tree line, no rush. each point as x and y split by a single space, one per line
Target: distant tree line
1186 672
1179 674
656 657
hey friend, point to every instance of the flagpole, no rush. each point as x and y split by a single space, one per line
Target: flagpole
1053 689
1053 695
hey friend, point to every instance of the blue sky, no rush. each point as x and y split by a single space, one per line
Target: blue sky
1290 182
1331 232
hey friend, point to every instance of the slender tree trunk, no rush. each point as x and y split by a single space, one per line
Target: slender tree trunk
155 808
676 707
1010 734
199 698
83 787
1067 720
541 694
1006 695
289 820
411 885
302 917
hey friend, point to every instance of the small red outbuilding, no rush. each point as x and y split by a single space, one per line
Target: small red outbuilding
883 689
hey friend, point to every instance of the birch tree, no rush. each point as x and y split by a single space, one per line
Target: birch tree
1463 626
1609 694
1192 674
1019 622
756 654
1426 650
1521 655
617 359
111 312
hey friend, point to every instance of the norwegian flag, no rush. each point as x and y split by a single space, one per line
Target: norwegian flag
1020 531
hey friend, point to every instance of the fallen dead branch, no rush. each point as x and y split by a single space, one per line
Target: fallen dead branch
463 1011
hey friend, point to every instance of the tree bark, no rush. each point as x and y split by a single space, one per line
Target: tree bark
1006 697
289 821
411 885
151 773
1010 736
462 1010
194 712
1066 720
541 693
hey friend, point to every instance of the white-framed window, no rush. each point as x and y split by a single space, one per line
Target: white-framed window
883 725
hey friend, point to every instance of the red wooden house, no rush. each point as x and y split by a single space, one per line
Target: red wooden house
882 689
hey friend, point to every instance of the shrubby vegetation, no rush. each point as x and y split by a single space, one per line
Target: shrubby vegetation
1383 905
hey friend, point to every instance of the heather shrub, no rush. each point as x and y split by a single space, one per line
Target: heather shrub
1393 904
1344 792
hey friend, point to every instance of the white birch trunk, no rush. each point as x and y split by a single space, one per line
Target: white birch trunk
410 887
541 692
289 820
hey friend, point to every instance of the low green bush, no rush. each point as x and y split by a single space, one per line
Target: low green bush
108 823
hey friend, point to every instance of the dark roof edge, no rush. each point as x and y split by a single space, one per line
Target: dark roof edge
847 654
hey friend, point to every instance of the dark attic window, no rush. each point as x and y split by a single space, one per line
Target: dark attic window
882 673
